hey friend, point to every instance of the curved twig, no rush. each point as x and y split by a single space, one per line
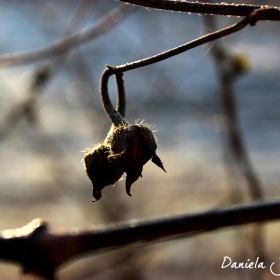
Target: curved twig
250 19
207 8
65 44
116 117
121 100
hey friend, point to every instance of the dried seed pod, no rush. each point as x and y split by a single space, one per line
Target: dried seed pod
100 171
132 146
127 148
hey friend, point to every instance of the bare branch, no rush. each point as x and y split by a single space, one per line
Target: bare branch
41 251
65 44
251 19
225 9
116 117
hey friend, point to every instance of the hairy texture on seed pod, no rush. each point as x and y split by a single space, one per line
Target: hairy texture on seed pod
127 148
132 146
100 171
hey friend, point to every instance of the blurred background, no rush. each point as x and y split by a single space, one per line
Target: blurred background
45 127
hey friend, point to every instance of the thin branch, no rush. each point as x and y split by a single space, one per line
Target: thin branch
121 100
65 44
116 117
41 251
225 9
251 19
180 49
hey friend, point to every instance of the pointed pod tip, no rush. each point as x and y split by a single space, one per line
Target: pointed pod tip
157 161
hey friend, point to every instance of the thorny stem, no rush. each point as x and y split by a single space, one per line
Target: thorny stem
115 116
208 8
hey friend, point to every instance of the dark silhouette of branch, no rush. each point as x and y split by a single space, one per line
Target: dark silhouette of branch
272 13
41 251
116 117
68 42
120 94
110 70
251 19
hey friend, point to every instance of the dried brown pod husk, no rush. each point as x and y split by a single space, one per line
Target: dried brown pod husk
132 146
100 171
127 148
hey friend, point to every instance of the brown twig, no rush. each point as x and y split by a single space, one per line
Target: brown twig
121 100
251 19
65 44
225 9
115 117
41 251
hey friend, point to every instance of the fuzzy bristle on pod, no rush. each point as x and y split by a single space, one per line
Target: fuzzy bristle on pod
133 146
127 148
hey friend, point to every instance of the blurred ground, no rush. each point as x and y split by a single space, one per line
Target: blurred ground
41 170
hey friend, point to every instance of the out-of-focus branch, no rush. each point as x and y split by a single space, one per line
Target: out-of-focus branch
45 71
228 68
65 44
41 251
273 13
26 107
